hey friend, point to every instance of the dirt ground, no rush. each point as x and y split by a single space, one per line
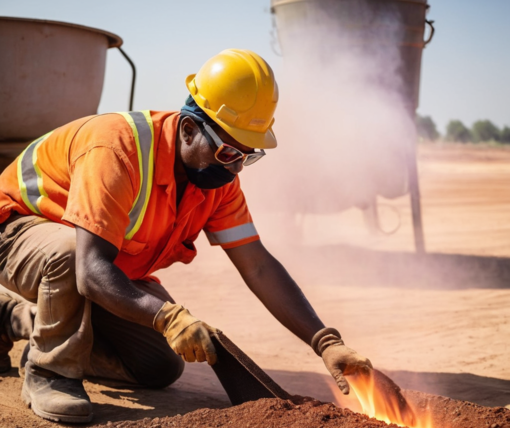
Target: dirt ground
439 324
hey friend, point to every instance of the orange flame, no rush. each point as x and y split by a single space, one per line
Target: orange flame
381 399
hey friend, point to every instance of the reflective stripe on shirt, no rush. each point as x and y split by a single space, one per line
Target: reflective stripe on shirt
143 132
29 176
232 234
31 181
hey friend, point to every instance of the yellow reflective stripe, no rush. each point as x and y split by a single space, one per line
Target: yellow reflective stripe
40 185
150 175
143 133
23 186
30 179
131 123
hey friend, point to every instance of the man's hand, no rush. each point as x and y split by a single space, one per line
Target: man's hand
187 336
338 358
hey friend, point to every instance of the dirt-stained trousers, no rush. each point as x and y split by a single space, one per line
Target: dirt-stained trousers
69 334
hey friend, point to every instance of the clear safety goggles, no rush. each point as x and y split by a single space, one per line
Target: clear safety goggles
227 154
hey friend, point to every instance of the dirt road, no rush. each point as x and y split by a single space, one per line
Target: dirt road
439 324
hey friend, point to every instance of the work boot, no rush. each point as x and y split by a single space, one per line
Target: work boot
6 306
55 397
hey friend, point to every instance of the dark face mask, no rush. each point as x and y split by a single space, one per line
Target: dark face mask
212 177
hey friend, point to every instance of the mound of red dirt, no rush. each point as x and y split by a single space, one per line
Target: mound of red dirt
276 413
264 413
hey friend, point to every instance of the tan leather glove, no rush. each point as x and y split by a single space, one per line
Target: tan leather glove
187 336
338 358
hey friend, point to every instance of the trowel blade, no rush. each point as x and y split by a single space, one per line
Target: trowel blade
242 379
392 392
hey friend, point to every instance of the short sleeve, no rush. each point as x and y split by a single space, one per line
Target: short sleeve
231 224
101 194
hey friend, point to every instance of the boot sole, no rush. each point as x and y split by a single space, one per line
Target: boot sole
25 396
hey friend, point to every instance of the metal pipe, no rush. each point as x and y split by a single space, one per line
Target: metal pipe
133 79
415 197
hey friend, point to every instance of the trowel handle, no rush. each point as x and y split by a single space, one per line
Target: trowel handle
124 54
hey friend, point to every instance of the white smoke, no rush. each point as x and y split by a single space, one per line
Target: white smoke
342 124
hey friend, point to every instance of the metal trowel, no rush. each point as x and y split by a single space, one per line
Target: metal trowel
242 379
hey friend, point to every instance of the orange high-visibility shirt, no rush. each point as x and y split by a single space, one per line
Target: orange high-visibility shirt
90 178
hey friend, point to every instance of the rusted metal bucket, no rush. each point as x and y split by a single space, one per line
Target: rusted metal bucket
368 25
51 73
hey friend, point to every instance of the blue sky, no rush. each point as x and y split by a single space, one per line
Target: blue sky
465 72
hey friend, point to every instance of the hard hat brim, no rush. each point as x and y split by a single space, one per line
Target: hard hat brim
255 140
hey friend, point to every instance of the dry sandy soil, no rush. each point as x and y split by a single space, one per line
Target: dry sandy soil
438 324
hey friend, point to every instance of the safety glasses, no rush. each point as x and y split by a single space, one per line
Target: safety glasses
227 154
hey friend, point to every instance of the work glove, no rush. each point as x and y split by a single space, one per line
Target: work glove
340 360
187 336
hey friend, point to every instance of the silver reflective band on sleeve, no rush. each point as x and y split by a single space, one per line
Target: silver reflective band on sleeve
233 234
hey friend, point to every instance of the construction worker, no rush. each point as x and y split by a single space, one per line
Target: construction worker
91 210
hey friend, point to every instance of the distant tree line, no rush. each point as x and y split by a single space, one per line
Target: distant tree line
480 131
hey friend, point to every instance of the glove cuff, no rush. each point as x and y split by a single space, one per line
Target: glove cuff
165 315
324 338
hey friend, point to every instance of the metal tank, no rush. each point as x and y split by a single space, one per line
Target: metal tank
51 73
368 25
391 28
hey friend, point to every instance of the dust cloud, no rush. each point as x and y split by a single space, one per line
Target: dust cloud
344 129
342 124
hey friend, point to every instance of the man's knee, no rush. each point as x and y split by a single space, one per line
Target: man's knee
162 372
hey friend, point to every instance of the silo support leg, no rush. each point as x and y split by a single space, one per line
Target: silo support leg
414 193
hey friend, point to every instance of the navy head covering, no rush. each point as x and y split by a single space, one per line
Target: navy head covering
192 110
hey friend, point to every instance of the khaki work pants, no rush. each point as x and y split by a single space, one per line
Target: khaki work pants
69 334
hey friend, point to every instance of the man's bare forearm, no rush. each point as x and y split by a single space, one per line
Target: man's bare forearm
275 288
102 282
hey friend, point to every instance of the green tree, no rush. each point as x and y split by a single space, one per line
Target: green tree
457 131
485 130
505 135
426 128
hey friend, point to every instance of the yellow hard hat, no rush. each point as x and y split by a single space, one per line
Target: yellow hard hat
237 89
